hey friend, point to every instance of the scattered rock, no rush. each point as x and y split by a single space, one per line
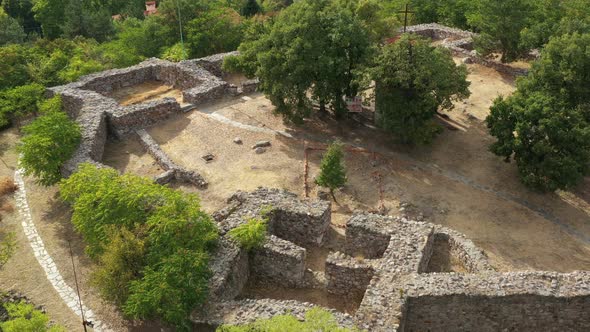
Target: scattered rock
260 150
209 157
261 144
238 140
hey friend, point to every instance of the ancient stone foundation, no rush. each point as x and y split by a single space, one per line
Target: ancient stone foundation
460 43
87 101
387 261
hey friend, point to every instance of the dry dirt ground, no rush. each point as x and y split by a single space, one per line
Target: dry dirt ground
454 182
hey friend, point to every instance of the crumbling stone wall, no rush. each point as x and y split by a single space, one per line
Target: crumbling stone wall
396 295
87 102
278 262
460 43
531 301
142 115
172 170
346 275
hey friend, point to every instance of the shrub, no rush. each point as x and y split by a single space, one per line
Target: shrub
316 319
49 141
23 317
20 102
152 243
250 235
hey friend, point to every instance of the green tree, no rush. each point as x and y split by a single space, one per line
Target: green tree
20 102
250 235
251 8
24 317
501 24
152 242
332 172
316 319
50 14
87 18
145 37
11 32
413 81
7 247
215 31
545 125
49 141
316 47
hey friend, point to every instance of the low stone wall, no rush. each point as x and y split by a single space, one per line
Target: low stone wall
278 262
172 169
463 249
460 43
214 62
530 301
346 275
142 115
302 222
365 236
230 271
249 310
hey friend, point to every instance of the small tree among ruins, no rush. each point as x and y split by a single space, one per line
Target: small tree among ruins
332 171
414 80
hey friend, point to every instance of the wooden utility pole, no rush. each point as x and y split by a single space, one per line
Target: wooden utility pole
406 12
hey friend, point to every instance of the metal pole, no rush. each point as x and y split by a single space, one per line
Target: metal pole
406 18
180 27
77 288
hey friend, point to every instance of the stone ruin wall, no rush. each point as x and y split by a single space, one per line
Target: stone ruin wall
460 43
88 102
516 301
397 292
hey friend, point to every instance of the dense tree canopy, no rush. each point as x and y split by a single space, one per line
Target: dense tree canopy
151 242
316 47
545 125
413 81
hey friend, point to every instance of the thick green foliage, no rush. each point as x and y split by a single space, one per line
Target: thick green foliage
414 80
10 30
545 125
151 242
316 320
215 31
23 317
251 8
49 141
313 46
250 235
332 172
20 102
448 12
501 23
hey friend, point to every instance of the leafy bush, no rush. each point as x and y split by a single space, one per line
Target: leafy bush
23 317
316 319
152 243
19 102
250 235
49 141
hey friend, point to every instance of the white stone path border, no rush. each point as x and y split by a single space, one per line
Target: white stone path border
68 295
220 118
